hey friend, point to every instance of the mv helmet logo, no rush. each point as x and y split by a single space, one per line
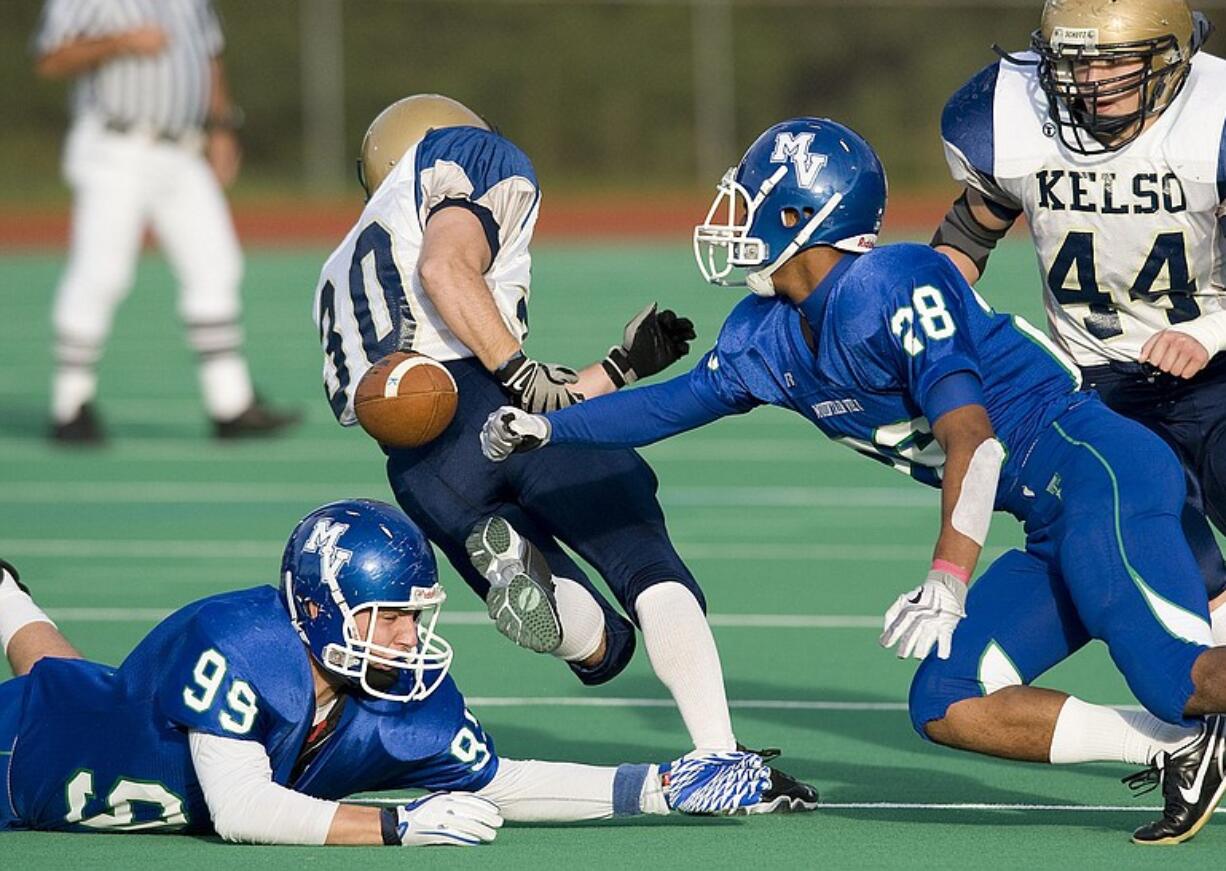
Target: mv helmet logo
795 147
324 540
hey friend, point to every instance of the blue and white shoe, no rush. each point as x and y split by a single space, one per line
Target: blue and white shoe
521 599
721 783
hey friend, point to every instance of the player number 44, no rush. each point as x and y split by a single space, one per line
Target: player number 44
207 678
928 307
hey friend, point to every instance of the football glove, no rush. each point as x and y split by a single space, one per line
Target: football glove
442 818
653 341
715 783
509 430
927 615
537 387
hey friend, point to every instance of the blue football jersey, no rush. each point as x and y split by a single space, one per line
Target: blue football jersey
886 327
101 748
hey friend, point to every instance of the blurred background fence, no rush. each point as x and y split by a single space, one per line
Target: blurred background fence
605 95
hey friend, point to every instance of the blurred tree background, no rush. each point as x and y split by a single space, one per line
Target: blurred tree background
603 94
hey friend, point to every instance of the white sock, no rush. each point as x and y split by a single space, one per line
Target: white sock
582 620
1217 624
683 655
72 387
226 386
17 610
1096 733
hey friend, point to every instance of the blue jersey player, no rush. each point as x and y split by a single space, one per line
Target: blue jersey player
250 714
439 263
889 351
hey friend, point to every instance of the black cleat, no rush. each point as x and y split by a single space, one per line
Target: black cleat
84 430
786 794
256 421
1193 778
6 566
521 598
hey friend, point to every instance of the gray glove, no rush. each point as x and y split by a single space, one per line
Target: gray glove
537 387
509 430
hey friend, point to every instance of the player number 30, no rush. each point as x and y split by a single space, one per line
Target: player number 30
207 677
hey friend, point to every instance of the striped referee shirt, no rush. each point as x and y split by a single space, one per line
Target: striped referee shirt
168 92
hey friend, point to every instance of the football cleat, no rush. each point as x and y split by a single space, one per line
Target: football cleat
520 600
720 783
786 794
1193 778
6 566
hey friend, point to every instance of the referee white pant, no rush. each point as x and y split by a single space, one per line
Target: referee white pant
122 183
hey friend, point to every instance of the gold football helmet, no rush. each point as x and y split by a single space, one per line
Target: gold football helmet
400 126
1149 44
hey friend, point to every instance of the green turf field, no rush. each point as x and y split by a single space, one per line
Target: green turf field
800 544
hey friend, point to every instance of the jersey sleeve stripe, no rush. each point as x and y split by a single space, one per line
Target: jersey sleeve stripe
1221 167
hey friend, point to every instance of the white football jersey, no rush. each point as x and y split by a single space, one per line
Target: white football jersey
370 301
1129 242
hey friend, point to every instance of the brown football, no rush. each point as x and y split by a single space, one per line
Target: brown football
405 400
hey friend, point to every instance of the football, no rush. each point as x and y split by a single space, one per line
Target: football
405 400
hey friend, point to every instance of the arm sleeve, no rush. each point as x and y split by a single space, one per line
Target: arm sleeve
467 165
644 415
246 806
533 791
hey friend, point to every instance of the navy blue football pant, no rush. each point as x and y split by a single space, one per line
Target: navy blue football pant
601 504
1101 498
12 695
1190 416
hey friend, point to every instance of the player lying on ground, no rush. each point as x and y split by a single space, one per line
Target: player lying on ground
439 263
251 713
889 351
1109 136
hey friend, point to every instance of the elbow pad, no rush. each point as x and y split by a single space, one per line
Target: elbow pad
961 231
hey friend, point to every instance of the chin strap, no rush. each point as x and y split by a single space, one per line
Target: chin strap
760 281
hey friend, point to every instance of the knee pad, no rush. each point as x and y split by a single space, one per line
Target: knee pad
620 643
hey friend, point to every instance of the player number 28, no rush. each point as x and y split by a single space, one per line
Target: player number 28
207 677
929 305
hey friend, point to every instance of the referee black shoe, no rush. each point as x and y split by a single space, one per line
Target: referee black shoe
786 794
521 599
257 420
1193 778
83 430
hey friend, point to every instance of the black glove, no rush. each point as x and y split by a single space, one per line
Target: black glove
653 341
537 387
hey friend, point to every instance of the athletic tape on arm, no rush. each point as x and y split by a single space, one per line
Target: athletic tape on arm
973 512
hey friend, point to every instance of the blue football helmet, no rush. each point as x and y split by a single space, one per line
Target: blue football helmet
803 183
360 554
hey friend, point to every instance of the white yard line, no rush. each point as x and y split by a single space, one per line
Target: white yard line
472 618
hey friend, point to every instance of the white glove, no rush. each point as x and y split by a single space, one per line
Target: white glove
926 615
455 819
509 430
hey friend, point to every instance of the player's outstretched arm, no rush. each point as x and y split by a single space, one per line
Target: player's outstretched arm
927 615
248 807
622 420
970 230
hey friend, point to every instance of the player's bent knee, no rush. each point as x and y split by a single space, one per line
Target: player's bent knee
936 689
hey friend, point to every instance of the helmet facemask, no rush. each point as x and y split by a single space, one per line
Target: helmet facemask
377 669
735 240
1154 71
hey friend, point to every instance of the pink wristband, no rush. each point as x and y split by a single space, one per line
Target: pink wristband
940 565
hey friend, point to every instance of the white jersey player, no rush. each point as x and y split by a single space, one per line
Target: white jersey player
1108 136
438 263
